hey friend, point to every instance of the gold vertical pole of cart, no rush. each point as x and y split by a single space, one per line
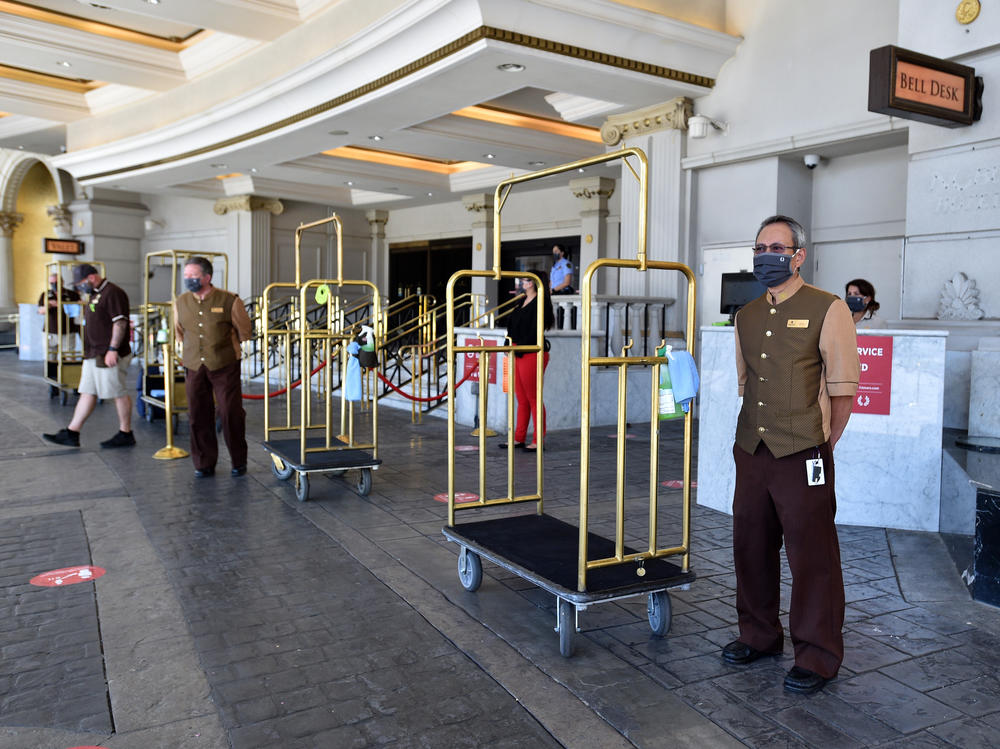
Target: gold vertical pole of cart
169 451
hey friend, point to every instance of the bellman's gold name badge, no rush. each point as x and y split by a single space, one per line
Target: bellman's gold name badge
797 324
219 309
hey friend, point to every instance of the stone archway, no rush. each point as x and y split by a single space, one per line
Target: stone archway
14 166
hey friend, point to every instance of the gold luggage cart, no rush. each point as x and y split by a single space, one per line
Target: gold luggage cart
325 452
64 364
579 567
158 328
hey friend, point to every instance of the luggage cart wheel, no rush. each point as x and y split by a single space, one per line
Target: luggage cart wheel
301 486
364 484
280 469
470 570
659 612
567 628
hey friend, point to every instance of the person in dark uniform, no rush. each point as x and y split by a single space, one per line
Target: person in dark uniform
210 323
106 356
797 366
48 303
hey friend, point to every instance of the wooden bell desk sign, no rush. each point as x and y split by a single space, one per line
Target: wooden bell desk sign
917 87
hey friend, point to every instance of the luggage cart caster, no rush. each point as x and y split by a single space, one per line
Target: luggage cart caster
566 625
658 609
364 485
470 570
280 469
302 486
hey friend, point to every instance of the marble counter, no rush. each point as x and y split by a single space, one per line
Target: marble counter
888 468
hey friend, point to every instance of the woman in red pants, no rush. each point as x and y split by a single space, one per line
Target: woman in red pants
522 330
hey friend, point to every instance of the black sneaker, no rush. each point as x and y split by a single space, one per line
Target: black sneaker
63 437
122 439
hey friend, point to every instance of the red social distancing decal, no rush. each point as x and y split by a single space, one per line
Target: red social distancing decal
460 497
677 484
67 576
466 448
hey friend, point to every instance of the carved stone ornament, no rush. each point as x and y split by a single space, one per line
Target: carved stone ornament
62 219
672 115
9 222
586 192
960 300
478 204
248 203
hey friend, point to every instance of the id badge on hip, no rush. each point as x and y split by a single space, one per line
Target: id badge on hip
815 476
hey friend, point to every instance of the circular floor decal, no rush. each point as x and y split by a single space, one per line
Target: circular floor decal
466 448
677 484
67 576
460 497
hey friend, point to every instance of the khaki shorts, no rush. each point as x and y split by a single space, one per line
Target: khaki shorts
105 382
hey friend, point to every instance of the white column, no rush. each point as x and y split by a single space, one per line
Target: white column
481 206
110 223
658 131
378 273
250 240
8 222
594 193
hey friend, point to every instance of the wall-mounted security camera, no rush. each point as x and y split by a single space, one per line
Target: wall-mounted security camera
811 160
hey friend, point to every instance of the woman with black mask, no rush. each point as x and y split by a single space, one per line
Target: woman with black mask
523 331
860 297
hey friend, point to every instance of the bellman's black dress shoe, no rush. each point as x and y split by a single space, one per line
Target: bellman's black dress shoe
739 653
804 681
204 473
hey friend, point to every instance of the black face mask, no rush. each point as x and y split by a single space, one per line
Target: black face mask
192 284
855 303
85 287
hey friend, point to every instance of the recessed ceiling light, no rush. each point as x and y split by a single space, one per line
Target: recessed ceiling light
153 2
219 165
580 169
349 183
536 163
510 67
253 170
338 132
430 195
64 64
374 137
488 156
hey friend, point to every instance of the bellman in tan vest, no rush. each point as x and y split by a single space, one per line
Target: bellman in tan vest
797 367
211 323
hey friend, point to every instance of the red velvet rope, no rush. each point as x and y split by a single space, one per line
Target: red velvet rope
260 397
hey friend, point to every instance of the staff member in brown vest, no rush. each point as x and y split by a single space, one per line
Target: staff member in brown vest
797 366
211 323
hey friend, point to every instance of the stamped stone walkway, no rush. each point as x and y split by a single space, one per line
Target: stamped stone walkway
231 615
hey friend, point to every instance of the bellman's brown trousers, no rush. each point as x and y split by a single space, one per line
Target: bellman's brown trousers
772 500
224 383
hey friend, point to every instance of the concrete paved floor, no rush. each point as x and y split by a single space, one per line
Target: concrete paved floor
233 615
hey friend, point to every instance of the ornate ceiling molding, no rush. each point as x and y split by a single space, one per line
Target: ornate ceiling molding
248 203
671 115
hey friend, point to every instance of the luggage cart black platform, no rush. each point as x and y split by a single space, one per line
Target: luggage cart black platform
285 462
545 551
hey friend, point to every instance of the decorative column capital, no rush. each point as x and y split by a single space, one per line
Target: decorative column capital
9 222
248 203
592 187
478 203
62 219
377 219
671 115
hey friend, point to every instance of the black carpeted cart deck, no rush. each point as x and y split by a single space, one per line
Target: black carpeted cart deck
545 551
285 462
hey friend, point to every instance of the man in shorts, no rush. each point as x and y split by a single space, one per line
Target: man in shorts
106 356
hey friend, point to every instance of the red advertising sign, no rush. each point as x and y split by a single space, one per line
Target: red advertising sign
875 385
472 358
67 576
